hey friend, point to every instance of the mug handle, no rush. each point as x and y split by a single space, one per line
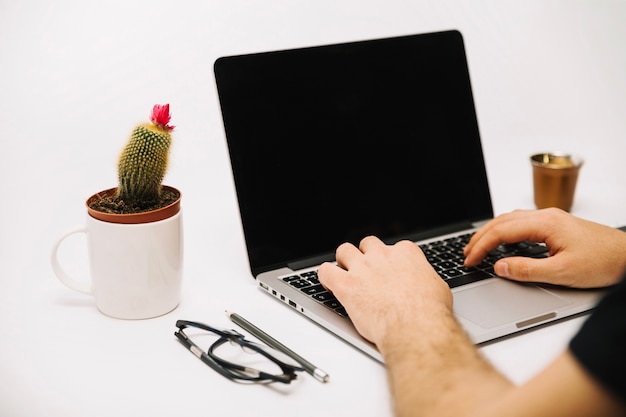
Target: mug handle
85 288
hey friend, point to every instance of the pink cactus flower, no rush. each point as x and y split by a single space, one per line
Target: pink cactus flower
161 116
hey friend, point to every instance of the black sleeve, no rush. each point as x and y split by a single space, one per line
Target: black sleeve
600 345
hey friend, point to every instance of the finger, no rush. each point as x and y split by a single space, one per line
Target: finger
493 228
369 243
346 253
514 227
529 269
330 275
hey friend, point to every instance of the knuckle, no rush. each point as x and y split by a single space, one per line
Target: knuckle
553 212
343 247
323 269
406 244
367 239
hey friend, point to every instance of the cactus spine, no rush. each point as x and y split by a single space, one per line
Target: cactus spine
143 162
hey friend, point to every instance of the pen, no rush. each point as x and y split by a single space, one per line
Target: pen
317 373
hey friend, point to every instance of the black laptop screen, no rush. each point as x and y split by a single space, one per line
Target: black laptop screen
330 144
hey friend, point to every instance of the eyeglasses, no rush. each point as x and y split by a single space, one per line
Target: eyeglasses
284 372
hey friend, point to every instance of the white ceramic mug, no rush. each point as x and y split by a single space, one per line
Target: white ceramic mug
136 269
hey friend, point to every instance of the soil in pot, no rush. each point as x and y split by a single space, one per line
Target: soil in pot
114 205
106 206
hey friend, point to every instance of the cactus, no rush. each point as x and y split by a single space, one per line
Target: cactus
143 162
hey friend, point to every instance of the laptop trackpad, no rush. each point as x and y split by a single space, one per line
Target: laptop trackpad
501 302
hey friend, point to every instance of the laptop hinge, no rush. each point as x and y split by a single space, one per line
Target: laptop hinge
309 262
480 224
431 233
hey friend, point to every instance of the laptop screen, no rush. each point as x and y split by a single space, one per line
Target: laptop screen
333 143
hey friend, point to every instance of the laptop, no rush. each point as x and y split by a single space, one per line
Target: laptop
332 143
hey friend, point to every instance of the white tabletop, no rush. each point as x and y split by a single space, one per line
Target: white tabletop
77 76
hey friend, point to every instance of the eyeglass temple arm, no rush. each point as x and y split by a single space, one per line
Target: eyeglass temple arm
182 337
199 353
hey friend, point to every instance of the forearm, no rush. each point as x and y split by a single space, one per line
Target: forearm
443 375
435 370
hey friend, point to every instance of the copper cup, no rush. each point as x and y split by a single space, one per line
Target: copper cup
554 179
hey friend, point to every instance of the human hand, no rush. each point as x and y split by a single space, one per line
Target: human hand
583 254
383 288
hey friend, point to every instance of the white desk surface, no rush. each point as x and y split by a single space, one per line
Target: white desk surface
77 76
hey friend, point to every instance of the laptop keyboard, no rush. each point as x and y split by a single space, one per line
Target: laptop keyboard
446 257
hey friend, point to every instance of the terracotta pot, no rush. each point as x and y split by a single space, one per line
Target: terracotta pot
133 218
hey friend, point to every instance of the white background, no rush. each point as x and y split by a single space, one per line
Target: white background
76 76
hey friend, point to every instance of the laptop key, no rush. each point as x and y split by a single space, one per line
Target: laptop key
446 256
537 251
291 278
300 283
468 278
325 296
313 290
333 304
313 279
446 265
451 273
529 249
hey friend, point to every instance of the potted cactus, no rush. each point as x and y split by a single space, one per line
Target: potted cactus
140 197
134 231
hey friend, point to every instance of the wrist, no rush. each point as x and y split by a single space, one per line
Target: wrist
418 330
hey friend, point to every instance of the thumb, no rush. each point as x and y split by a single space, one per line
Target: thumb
524 269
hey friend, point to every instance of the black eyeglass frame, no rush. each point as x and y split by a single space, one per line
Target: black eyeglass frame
232 370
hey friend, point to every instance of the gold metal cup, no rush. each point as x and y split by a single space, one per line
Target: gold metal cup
554 179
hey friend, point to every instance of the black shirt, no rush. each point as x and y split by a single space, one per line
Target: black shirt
600 345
